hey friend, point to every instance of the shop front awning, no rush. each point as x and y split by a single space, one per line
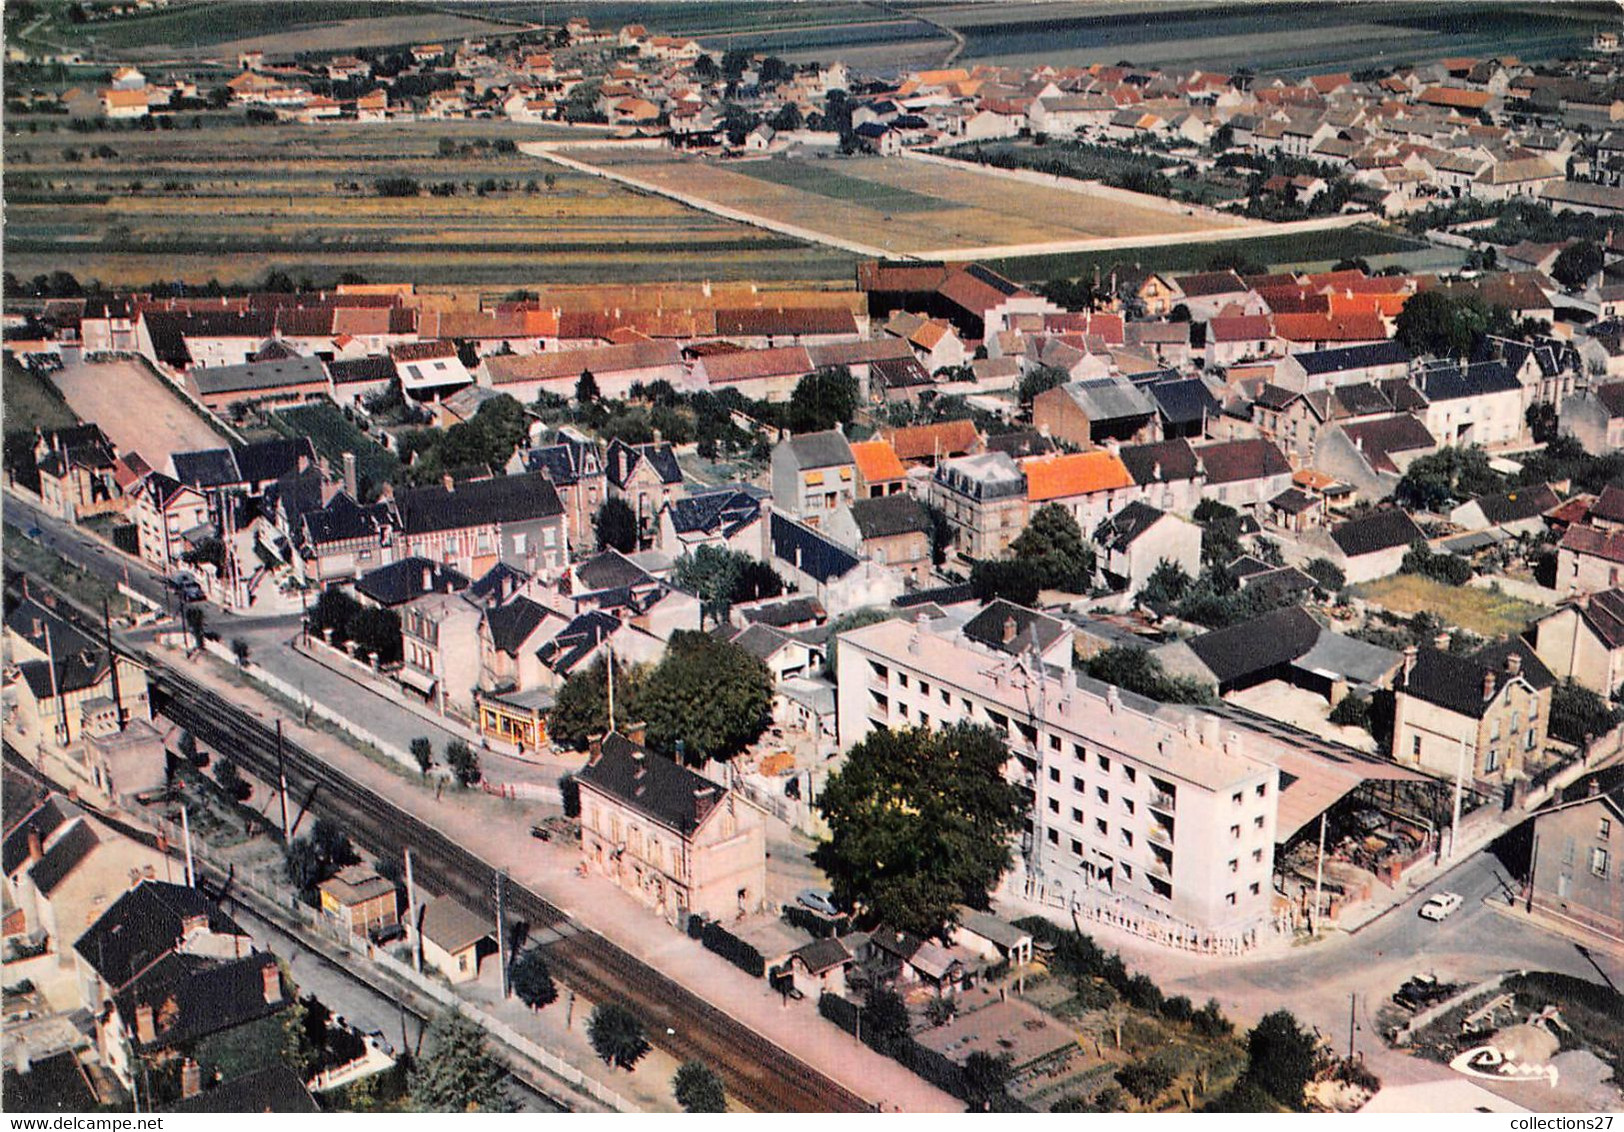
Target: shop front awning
421 681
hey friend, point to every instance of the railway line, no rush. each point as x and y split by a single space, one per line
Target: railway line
756 1071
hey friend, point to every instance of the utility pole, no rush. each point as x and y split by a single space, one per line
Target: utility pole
186 832
1533 861
1353 998
282 781
609 657
411 920
501 930
1319 877
1454 823
112 665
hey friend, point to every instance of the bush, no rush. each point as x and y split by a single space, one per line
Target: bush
1450 569
1579 715
1146 1080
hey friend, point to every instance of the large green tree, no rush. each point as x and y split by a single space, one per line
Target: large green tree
616 1035
533 980
1281 1057
615 524
722 578
456 1073
822 399
1577 264
581 709
713 696
1449 473
1437 322
1053 542
1013 580
920 822
698 1088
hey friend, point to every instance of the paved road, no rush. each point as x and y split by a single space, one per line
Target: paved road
68 541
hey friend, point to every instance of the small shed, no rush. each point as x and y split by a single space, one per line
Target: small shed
359 899
992 939
455 939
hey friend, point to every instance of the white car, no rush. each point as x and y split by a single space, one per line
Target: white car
1440 906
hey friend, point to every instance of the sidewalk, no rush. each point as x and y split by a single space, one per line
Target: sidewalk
1567 929
493 828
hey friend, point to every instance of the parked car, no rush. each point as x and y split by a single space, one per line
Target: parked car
1440 906
1421 991
818 900
186 586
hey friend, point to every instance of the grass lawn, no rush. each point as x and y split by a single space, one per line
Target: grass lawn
827 182
1482 612
334 434
32 401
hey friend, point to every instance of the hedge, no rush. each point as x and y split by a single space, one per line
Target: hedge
735 950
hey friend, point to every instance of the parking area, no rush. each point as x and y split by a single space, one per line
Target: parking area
106 392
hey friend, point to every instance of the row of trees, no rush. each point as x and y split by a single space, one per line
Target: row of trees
707 699
371 629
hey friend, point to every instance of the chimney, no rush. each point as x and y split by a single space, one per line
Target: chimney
1514 664
271 982
1113 697
19 1055
704 801
594 749
1009 630
1232 743
428 580
144 1031
191 1079
1209 731
1410 653
636 732
1441 641
350 487
35 852
1488 686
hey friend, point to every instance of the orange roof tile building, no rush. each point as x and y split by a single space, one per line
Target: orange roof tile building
1077 474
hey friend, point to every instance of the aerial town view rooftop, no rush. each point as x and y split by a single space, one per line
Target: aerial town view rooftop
906 557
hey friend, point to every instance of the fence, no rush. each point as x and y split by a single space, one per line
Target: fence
1432 1013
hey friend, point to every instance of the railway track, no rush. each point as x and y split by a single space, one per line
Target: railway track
756 1071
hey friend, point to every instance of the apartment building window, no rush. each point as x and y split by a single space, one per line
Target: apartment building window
1235 798
1127 839
1054 743
1103 795
1101 827
1078 753
1253 888
1054 774
1105 763
1234 833
947 699
1054 805
1077 815
1130 774
902 679
1127 806
1076 847
1257 822
1234 865
902 710
1127 871
1491 761
1257 856
1532 740
1262 790
1079 785
1598 863
1415 746
1054 837
1229 898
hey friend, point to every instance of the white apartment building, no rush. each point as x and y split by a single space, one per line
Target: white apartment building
1155 818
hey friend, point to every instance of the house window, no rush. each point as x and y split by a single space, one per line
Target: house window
1605 831
1415 746
1491 761
1598 863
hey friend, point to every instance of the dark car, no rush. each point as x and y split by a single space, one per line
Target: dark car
186 587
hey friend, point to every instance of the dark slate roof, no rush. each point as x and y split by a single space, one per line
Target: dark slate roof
505 499
820 449
565 460
575 641
899 373
1026 442
1280 584
1363 399
1391 352
611 570
788 611
342 519
714 512
941 595
1184 402
622 460
349 371
57 1083
1119 531
1518 504
212 467
510 625
1446 381
1275 397
76 843
43 820
1533 668
760 641
296 494
822 955
1161 462
1378 439
143 925
1380 531
193 996
75 671
1609 504
1456 682
1603 612
267 460
1233 460
273 1089
1278 637
810 552
992 626
672 795
400 582
889 515
498 582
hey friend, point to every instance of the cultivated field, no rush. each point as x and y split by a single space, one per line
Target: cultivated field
219 29
895 203
104 392
231 203
1479 611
